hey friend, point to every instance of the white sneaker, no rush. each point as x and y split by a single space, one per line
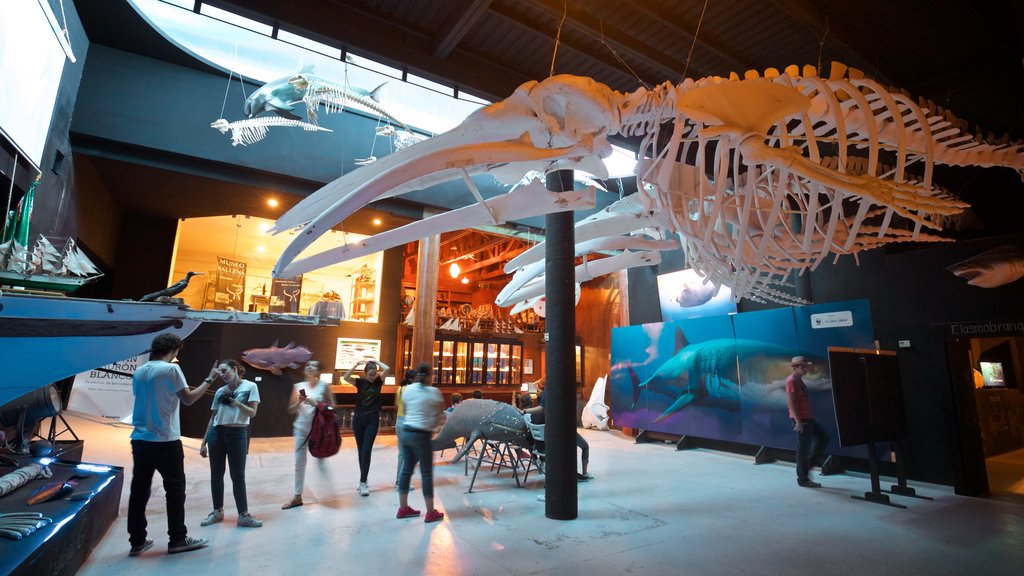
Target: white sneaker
364 490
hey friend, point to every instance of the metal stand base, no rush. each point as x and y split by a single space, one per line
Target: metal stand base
830 466
764 456
878 498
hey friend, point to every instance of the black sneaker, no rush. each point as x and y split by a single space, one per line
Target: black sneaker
139 549
187 545
808 483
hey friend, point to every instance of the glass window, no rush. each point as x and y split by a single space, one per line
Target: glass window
231 18
313 45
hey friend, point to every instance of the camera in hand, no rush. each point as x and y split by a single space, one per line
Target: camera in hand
240 396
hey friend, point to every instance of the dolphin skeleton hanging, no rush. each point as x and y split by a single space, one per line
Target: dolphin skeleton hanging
252 130
280 96
757 178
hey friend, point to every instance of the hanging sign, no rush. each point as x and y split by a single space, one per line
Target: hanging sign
230 285
285 294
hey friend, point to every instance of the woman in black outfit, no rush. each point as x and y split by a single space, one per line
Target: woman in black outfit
366 419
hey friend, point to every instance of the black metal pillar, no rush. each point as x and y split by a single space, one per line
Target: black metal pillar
560 489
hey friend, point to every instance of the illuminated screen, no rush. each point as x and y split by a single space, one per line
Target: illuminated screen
993 374
684 295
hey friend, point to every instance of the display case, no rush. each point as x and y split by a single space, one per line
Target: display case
467 361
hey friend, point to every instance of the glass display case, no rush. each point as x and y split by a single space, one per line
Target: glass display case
466 361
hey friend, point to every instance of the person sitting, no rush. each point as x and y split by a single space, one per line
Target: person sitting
456 400
477 394
537 417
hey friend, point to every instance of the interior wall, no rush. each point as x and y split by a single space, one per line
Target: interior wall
144 257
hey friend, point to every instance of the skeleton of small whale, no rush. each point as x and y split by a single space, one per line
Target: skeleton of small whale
478 418
705 373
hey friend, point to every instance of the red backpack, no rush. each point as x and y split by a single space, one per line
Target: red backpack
325 435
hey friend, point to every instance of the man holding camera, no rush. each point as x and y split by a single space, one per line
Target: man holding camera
160 389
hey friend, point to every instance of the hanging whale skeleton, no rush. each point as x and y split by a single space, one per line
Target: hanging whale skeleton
280 97
757 178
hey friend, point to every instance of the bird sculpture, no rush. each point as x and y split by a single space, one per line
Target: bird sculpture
172 290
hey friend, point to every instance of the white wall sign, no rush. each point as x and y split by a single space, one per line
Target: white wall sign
832 319
104 394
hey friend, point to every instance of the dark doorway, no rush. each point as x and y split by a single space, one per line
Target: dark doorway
988 394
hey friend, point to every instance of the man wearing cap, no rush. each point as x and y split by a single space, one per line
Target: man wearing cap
800 412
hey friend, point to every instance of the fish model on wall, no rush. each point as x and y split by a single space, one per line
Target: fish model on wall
274 358
993 268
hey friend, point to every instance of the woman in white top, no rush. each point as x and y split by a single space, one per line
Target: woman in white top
227 438
305 396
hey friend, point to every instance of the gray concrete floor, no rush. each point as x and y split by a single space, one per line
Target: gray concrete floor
649 510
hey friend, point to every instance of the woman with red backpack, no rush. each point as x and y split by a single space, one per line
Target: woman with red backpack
305 396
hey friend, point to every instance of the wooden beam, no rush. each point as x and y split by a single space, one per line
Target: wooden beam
426 295
706 40
463 18
627 78
583 23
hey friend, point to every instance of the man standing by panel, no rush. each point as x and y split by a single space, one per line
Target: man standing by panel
806 426
160 389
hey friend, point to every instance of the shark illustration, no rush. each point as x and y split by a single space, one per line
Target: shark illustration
274 358
708 373
993 268
281 95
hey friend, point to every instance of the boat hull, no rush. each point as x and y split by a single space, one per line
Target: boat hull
44 339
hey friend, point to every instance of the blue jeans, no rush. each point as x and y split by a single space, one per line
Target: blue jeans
228 443
399 423
415 446
803 448
364 428
168 459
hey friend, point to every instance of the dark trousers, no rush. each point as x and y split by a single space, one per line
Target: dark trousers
168 458
228 443
364 428
415 447
804 457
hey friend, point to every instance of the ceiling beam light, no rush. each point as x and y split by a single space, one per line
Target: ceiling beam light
272 202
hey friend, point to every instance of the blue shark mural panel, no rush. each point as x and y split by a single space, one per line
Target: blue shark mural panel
766 342
723 377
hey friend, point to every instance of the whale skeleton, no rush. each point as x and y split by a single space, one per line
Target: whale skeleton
749 176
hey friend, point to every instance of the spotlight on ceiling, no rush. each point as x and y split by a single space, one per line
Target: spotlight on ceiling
454 270
272 202
376 221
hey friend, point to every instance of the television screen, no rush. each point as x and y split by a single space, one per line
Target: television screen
685 294
993 374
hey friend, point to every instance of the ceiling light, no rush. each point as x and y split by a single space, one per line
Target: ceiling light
376 221
454 270
261 249
465 280
272 202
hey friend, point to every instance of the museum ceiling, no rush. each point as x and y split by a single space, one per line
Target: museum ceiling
963 56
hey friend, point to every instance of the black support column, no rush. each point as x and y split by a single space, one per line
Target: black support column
560 369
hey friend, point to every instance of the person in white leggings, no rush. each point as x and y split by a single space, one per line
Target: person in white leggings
305 396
